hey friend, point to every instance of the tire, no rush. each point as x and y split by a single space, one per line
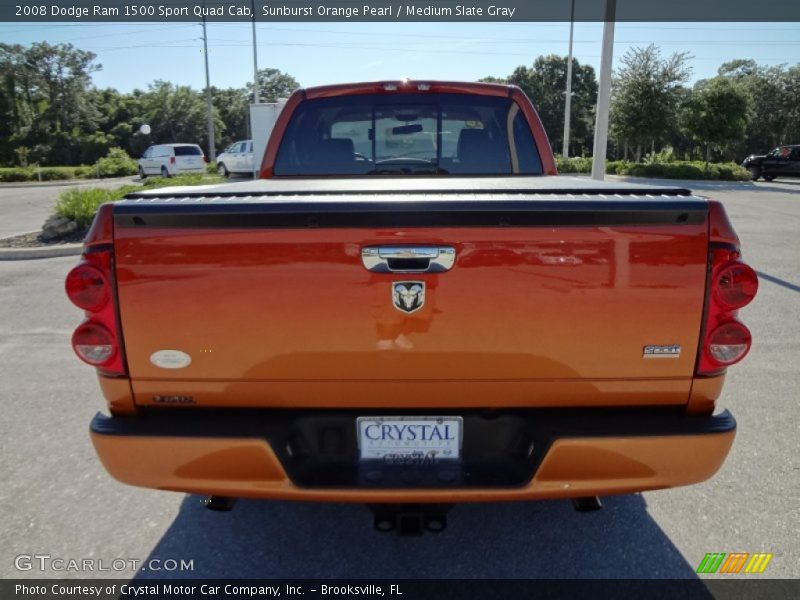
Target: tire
222 171
755 173
769 177
165 173
142 174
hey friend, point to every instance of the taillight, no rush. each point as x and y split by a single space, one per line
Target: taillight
729 342
735 285
172 160
731 285
87 287
94 344
90 286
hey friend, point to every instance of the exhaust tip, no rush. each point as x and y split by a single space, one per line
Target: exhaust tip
587 504
219 503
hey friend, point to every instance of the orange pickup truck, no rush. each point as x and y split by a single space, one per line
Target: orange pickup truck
409 308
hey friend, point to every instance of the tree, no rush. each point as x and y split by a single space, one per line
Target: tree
50 113
234 110
44 101
63 75
644 99
491 79
716 114
773 93
177 114
274 84
545 83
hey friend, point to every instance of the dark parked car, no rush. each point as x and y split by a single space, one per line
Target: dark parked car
783 161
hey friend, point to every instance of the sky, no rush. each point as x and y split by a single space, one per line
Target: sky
133 55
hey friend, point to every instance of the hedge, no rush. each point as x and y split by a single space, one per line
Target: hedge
14 174
666 170
116 163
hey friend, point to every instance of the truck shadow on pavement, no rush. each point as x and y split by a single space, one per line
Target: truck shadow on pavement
701 186
511 540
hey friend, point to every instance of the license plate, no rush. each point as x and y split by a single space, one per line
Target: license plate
433 438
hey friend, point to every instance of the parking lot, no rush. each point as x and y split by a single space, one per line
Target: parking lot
56 499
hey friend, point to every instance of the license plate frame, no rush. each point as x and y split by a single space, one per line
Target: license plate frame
436 448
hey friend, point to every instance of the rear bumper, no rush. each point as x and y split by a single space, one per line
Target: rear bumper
511 455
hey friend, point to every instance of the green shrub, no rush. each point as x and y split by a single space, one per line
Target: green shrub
685 170
14 174
730 172
575 164
116 163
54 173
661 166
84 172
662 156
188 179
617 167
81 204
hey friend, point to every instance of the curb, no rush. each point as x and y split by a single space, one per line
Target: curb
66 182
40 252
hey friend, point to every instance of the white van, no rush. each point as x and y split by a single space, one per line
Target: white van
237 158
172 159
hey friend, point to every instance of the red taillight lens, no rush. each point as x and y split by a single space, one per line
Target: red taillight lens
90 286
172 160
87 287
94 344
735 285
731 285
728 343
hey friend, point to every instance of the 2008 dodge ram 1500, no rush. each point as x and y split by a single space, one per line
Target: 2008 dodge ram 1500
408 308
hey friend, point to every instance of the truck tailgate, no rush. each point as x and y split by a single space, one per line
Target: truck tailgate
551 301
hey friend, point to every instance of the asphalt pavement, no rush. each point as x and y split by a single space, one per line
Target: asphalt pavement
56 499
25 207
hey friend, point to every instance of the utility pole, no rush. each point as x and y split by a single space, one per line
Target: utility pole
256 99
604 93
255 57
568 103
212 150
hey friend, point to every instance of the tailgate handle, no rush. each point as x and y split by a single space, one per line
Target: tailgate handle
408 259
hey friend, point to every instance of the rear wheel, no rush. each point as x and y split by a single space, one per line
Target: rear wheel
222 171
755 173
164 172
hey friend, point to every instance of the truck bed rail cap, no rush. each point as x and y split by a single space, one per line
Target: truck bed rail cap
419 185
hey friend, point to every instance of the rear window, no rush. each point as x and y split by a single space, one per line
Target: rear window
415 134
188 151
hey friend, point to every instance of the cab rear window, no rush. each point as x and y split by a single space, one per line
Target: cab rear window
414 134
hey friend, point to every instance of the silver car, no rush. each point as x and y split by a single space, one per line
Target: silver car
237 158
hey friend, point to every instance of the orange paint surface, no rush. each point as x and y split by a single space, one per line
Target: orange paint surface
263 313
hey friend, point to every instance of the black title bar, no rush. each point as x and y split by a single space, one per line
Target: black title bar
392 10
399 589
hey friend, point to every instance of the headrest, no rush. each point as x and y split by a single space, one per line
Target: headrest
471 140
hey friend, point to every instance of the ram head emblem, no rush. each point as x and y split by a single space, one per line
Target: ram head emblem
408 296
